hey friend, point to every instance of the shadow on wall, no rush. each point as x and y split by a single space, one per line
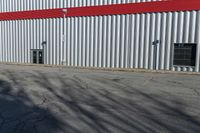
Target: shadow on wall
93 108
18 114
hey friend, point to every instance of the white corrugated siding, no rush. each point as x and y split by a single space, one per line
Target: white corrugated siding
118 41
22 5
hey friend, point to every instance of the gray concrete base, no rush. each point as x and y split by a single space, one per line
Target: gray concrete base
104 69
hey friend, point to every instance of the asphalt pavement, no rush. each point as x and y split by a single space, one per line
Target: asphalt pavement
36 99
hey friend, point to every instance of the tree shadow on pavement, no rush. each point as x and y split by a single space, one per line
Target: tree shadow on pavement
101 110
88 105
19 114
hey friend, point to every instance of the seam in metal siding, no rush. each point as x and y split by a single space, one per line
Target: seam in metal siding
198 41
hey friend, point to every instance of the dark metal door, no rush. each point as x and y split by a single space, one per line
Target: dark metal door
34 57
37 56
40 57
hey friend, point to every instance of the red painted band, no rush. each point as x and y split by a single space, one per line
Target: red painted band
118 9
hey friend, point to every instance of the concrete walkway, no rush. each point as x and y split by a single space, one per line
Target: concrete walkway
64 100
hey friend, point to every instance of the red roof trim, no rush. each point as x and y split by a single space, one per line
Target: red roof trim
118 9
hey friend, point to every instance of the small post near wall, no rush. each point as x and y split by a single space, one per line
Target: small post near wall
44 51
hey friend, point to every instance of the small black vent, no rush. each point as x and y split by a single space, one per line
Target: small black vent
185 54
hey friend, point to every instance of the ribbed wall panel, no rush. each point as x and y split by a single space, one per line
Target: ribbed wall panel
23 5
117 41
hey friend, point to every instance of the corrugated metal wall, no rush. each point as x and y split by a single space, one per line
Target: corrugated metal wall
118 41
21 5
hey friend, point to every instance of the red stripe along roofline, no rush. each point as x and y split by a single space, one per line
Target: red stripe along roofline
115 9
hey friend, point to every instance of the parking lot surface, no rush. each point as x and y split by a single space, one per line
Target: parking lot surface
37 99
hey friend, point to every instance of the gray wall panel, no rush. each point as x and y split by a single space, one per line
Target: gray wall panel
118 41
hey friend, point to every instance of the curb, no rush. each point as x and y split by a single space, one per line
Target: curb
104 69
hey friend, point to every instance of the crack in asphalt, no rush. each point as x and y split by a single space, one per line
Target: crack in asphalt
148 80
44 101
85 84
195 91
173 82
